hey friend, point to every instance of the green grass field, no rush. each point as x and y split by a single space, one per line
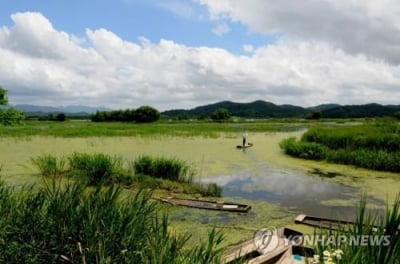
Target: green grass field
84 128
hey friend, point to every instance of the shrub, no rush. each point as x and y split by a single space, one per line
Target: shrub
49 165
11 116
95 169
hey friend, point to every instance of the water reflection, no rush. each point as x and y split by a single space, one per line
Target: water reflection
298 191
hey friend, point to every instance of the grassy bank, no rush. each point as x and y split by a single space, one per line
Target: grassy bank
373 146
145 171
75 225
186 129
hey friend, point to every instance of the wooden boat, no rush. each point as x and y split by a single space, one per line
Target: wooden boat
325 223
209 205
296 255
247 251
246 146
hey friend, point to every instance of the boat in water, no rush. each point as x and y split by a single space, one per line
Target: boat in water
279 251
245 146
209 205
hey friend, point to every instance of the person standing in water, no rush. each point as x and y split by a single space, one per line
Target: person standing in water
244 140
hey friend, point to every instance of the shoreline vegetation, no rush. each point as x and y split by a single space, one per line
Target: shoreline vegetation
73 224
85 128
374 146
97 169
90 220
59 223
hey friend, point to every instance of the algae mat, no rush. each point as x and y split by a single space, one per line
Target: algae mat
277 186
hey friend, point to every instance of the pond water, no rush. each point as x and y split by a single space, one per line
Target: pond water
276 186
301 192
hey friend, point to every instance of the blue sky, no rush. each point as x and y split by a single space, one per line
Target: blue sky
183 21
185 53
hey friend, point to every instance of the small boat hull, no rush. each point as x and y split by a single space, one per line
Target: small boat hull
247 251
244 147
209 205
325 223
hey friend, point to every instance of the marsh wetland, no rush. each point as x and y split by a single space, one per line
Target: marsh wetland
277 186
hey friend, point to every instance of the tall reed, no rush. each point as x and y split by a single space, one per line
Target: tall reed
381 242
164 168
49 165
96 168
371 146
71 224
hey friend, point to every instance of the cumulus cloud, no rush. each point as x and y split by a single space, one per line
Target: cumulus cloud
42 65
370 27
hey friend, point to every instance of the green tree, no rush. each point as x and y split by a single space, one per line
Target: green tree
3 96
10 116
314 115
397 115
61 117
220 115
146 114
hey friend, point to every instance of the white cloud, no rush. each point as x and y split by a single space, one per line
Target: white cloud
221 29
248 48
370 27
42 65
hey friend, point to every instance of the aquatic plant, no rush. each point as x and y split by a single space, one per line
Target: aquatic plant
160 128
304 150
72 224
95 169
371 146
164 168
373 238
49 165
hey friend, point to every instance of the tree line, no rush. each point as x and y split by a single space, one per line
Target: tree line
143 114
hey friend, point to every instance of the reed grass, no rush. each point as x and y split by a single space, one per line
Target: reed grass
304 150
49 165
370 225
95 169
100 169
373 146
163 168
72 224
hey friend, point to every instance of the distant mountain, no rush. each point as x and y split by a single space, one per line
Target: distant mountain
323 107
262 109
354 111
71 109
256 109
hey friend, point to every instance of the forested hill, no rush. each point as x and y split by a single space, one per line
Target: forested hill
262 109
